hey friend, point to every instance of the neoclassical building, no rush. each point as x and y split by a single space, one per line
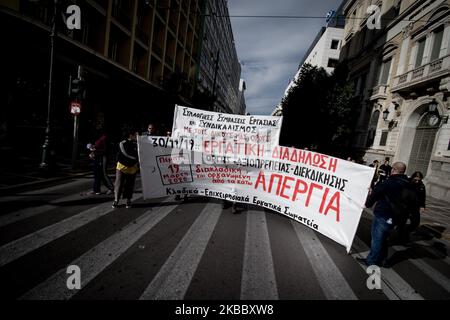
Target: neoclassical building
402 74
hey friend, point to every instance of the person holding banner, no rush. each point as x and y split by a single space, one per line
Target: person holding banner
151 130
126 169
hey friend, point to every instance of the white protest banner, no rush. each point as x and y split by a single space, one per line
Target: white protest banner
322 192
227 134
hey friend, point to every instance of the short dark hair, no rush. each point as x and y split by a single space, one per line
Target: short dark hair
417 174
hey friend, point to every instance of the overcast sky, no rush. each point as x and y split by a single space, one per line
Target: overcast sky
270 49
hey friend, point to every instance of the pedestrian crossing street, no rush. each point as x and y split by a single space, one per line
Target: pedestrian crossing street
168 250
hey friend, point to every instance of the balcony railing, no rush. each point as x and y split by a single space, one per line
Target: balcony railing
434 69
379 92
436 65
403 78
418 72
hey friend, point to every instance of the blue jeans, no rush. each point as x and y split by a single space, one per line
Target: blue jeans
379 246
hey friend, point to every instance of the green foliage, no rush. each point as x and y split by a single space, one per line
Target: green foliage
320 110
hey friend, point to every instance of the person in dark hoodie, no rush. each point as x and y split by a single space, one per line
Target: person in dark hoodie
414 216
393 198
126 169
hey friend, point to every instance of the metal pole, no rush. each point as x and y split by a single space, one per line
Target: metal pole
76 123
46 152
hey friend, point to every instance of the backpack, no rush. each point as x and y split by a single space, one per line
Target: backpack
405 203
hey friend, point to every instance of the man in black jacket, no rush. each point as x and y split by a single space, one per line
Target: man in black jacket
392 199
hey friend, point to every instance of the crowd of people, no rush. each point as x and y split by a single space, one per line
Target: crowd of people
126 165
396 197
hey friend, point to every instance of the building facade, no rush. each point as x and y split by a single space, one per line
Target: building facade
402 74
323 52
220 70
140 58
241 98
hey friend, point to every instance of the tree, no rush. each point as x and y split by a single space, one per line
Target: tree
319 110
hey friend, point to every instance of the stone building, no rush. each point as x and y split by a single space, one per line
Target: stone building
401 73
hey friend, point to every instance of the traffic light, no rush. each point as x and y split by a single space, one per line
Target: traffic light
77 88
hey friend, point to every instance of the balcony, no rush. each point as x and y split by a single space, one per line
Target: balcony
423 74
379 92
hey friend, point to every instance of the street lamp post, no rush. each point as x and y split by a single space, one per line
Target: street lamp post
46 148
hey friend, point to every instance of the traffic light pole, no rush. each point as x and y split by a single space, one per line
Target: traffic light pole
76 125
46 148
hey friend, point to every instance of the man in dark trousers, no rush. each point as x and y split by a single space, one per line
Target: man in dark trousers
393 200
99 156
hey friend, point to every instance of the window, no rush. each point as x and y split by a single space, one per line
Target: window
420 49
383 139
334 44
437 42
113 49
332 63
85 35
385 69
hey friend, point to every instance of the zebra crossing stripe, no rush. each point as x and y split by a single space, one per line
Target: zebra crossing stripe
258 275
100 257
435 251
393 285
39 192
18 248
432 273
33 211
330 278
174 277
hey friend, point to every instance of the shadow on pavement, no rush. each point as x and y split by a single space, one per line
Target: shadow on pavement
414 250
81 202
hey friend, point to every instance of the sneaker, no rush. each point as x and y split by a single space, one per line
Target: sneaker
115 204
92 193
128 205
109 192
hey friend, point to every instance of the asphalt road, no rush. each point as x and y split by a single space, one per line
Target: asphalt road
167 249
